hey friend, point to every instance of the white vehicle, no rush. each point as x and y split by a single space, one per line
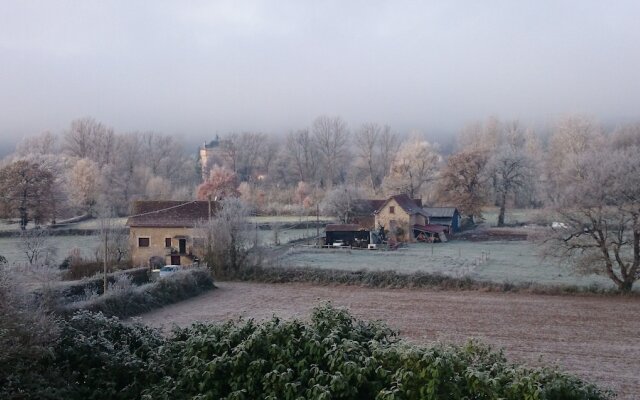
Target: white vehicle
168 270
338 243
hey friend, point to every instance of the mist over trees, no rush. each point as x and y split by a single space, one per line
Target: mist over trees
494 163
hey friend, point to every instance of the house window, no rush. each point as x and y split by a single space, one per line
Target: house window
143 242
167 242
392 210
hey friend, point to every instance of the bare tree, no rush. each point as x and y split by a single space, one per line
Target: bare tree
242 153
376 148
302 153
84 184
45 143
572 137
366 140
510 170
389 144
122 177
227 237
626 136
482 136
463 182
37 247
154 148
341 201
25 192
88 138
416 164
331 137
268 153
600 217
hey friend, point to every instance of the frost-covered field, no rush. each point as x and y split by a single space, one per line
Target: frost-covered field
512 261
10 247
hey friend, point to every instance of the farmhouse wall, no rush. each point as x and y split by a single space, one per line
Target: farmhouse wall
399 218
157 235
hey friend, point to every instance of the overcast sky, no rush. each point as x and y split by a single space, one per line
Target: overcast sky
197 68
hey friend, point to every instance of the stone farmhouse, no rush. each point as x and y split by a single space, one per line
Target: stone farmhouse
405 218
166 231
398 214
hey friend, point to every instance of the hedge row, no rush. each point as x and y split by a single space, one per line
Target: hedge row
393 279
73 291
333 356
134 300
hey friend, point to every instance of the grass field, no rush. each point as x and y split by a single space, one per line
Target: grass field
10 246
498 261
512 216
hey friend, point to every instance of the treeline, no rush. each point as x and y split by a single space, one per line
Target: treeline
90 169
494 162
501 163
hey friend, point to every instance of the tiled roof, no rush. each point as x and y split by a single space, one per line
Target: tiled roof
343 228
411 206
440 212
185 214
370 206
366 206
429 228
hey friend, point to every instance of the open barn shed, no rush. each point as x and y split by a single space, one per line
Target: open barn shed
347 234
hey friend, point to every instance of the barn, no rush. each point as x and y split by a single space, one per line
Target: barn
346 235
449 217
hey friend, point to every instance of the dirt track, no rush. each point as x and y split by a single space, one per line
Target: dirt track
596 338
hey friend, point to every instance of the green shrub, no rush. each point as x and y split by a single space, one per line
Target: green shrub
336 356
333 356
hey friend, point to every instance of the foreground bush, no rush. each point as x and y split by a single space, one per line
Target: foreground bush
126 299
333 356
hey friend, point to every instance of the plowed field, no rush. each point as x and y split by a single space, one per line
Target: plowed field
597 338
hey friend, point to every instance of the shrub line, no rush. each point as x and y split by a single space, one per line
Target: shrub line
418 280
133 300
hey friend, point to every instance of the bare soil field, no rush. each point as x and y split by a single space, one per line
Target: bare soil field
593 337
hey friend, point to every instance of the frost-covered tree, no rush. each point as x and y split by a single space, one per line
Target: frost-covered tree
221 183
376 147
36 245
227 237
88 138
25 192
572 138
331 138
301 155
341 201
599 211
415 164
84 184
511 169
45 143
463 182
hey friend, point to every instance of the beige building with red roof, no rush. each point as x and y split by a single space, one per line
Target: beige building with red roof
168 231
398 214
